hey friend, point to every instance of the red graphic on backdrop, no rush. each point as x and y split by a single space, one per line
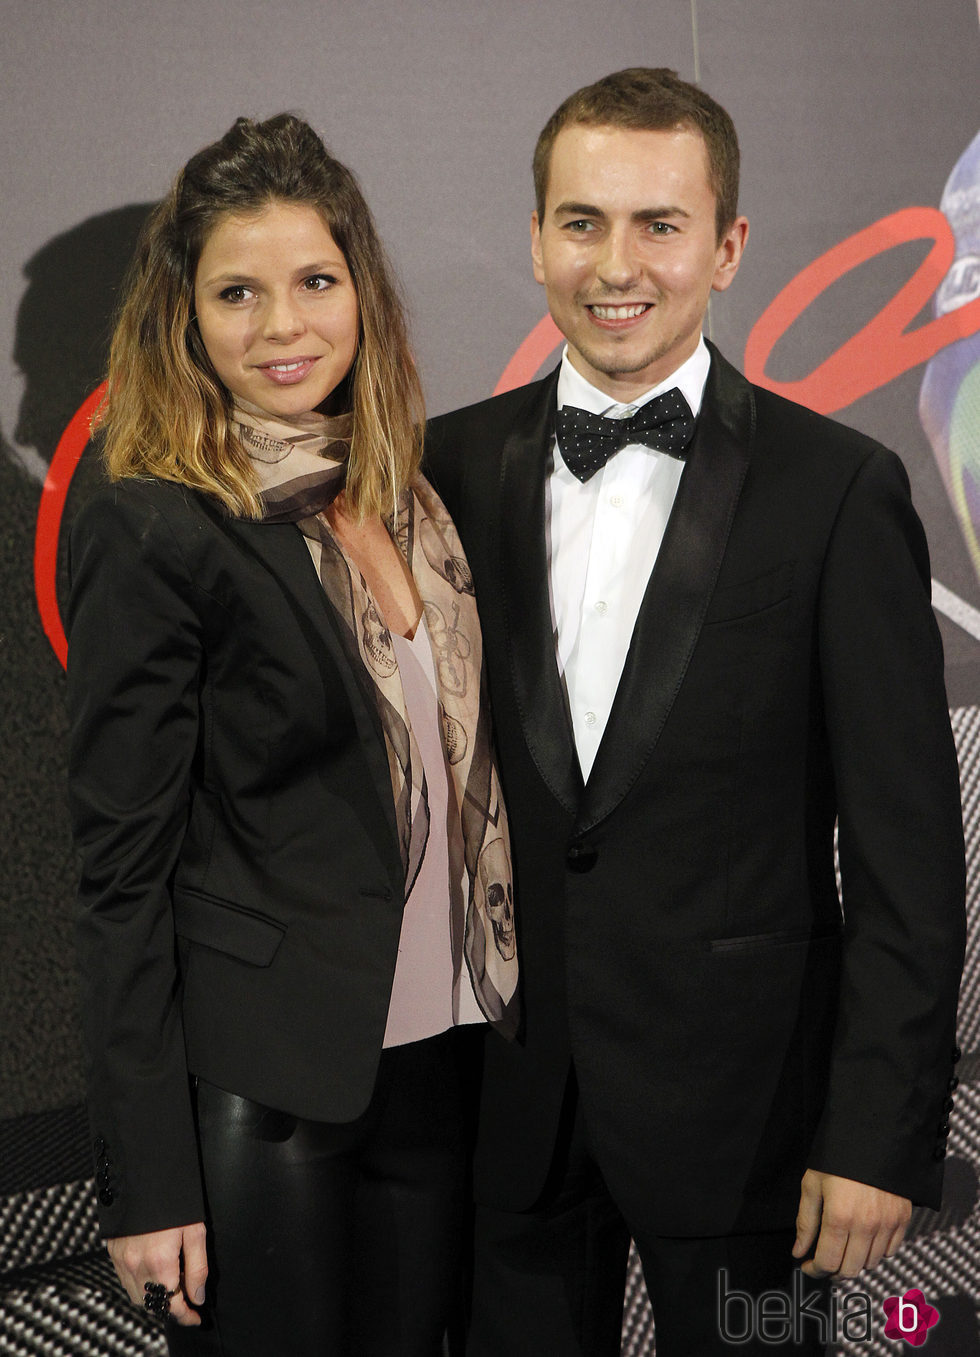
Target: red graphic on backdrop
530 356
881 350
67 455
885 347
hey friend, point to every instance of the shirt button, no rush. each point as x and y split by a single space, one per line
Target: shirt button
590 718
601 607
616 501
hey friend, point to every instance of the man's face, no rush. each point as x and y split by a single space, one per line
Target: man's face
628 252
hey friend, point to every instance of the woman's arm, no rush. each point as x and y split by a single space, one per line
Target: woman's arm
134 666
157 1257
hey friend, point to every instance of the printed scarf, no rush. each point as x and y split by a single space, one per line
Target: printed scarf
301 468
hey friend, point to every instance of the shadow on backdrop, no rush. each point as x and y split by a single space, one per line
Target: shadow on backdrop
63 326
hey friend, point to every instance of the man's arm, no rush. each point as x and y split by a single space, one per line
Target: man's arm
849 1226
881 1141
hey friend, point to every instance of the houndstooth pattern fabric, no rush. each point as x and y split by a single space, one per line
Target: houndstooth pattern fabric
75 1310
47 1224
966 729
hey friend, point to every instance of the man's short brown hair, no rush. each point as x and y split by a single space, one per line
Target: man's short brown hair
650 99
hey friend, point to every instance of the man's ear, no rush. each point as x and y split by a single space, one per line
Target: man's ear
536 260
730 249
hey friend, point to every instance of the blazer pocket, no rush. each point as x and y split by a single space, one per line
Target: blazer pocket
734 601
241 933
752 942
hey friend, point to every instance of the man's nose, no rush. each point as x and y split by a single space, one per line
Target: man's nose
617 264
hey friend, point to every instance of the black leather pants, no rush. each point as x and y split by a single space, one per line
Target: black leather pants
335 1240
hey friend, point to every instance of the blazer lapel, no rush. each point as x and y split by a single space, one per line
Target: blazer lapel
678 591
282 550
523 565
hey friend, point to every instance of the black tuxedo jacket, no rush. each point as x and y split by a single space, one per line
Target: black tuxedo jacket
680 931
242 890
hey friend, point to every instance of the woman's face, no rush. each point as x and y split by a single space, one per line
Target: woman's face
276 307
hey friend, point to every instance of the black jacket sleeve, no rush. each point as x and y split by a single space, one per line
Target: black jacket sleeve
135 656
900 843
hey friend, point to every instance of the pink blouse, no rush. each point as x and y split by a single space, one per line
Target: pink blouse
431 990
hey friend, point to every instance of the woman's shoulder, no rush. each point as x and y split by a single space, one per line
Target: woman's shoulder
147 494
143 500
144 518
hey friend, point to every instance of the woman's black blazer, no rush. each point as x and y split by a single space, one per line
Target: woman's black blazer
241 887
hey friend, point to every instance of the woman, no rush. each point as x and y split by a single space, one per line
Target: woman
295 863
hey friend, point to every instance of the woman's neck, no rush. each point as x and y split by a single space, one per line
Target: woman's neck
369 546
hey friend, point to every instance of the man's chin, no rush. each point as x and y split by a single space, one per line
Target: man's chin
618 362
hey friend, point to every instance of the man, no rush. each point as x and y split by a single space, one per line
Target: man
703 652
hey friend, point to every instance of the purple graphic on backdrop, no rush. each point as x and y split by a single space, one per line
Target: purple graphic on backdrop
949 402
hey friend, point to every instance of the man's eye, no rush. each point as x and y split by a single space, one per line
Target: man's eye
579 227
662 228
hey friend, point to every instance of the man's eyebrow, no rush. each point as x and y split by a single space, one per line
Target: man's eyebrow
578 210
570 209
656 213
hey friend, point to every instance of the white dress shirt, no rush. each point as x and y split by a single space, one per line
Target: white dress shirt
603 541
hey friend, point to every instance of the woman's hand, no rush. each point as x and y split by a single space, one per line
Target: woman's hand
156 1257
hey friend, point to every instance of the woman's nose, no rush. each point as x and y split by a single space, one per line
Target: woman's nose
282 319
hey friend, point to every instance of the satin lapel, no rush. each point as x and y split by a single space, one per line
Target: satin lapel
679 589
281 549
523 561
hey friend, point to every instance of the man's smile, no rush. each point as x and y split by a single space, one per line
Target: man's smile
621 312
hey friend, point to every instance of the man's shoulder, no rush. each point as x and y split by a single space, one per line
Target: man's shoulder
822 451
493 413
776 418
789 439
777 413
463 447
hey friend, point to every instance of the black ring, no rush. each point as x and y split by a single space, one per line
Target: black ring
156 1299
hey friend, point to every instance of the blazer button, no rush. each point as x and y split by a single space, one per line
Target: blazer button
581 858
99 1145
107 1196
953 1085
957 1054
939 1152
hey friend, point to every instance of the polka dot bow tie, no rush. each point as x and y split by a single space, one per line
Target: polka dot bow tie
588 441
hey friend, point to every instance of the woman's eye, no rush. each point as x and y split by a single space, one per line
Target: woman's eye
318 282
238 293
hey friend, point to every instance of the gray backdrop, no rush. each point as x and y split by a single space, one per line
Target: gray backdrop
848 111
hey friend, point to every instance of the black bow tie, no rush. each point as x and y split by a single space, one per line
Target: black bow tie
587 441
